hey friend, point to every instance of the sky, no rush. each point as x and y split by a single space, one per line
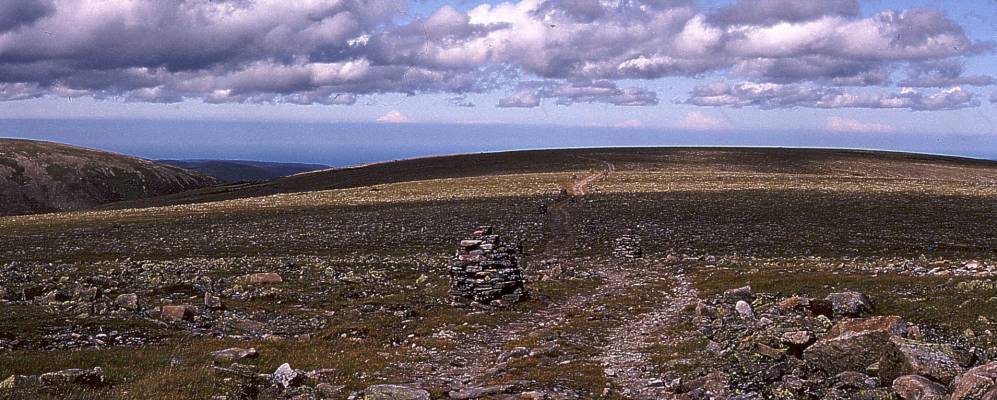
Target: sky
903 72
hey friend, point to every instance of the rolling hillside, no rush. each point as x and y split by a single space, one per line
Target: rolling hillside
38 177
761 160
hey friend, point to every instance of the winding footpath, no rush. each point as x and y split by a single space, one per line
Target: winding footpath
475 359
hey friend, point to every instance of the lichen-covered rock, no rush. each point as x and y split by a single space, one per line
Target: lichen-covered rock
16 382
234 354
285 376
127 301
744 309
850 304
75 376
908 357
745 293
260 278
914 387
174 313
979 383
854 344
395 392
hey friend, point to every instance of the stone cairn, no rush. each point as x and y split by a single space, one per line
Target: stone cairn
627 246
486 271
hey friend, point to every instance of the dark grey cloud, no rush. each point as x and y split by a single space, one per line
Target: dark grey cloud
331 51
993 97
769 12
17 13
773 96
946 73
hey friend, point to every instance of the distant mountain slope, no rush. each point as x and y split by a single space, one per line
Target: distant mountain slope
40 177
830 162
244 171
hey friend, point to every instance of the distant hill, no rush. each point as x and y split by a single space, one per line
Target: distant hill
244 171
856 163
37 177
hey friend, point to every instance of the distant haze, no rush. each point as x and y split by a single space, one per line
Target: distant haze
350 143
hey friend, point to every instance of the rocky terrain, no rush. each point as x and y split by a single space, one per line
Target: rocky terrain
647 274
37 177
233 171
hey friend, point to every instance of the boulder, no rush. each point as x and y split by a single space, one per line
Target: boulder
908 357
914 387
854 344
173 313
850 304
234 354
213 302
260 278
797 341
76 376
739 294
127 301
285 376
17 382
979 383
479 392
394 392
744 309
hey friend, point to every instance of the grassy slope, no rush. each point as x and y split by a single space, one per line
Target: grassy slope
43 176
770 160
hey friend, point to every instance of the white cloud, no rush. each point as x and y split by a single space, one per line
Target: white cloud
393 117
696 120
845 125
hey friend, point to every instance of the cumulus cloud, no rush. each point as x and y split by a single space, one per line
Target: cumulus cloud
946 73
393 117
529 94
845 125
331 51
696 120
772 95
769 12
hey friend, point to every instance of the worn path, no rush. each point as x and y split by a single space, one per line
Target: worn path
476 359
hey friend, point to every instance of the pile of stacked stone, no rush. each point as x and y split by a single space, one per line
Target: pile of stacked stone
486 271
627 246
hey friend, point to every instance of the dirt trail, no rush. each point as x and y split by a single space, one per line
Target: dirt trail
474 359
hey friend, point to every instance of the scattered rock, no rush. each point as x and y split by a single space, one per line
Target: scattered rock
19 382
127 301
797 341
234 354
174 313
914 387
478 392
76 376
627 247
909 357
850 304
744 309
285 376
395 392
854 344
979 383
260 278
213 302
740 294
